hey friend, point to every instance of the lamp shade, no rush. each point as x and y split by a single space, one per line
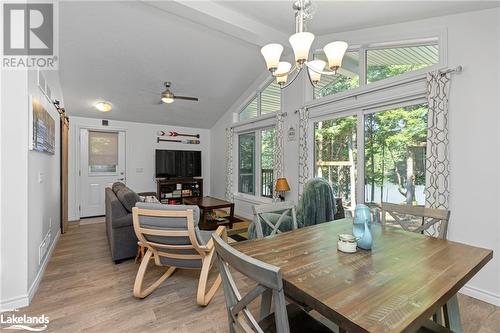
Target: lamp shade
272 54
301 43
282 185
315 69
335 53
282 72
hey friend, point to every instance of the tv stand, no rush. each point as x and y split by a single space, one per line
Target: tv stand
175 190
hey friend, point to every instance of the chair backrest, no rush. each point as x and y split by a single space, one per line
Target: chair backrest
268 218
429 218
269 287
170 232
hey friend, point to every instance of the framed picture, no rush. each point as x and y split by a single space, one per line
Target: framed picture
42 128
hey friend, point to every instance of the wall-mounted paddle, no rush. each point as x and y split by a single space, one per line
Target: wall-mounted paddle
163 133
186 141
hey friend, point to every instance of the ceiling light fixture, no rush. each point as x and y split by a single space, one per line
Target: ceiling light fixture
103 106
301 43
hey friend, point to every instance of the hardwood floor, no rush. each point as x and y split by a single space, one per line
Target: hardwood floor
84 291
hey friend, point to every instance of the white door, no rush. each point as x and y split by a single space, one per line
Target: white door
102 162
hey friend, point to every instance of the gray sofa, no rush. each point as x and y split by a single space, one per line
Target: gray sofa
119 228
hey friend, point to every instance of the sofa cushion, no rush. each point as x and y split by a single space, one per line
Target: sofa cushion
127 197
116 186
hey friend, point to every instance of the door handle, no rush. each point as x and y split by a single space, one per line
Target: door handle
121 179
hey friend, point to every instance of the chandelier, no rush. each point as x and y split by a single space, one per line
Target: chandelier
301 42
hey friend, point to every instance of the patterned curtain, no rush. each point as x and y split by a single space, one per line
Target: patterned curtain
437 166
278 158
303 149
229 164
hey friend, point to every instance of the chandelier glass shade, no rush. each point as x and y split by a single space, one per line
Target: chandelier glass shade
301 43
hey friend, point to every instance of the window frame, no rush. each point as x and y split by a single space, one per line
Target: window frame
258 95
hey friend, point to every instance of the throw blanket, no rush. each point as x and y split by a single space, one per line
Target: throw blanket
316 206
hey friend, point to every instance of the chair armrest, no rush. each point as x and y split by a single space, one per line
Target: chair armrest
222 233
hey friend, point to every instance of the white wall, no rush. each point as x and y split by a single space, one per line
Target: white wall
27 206
14 191
140 154
473 42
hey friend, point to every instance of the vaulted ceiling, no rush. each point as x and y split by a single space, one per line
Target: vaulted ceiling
122 52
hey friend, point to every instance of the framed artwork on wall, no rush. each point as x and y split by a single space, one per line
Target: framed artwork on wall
42 128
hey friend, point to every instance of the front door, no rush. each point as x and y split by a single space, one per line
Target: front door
102 162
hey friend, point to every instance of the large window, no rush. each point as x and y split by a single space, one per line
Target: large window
256 159
246 162
267 162
268 100
393 158
378 62
395 151
335 155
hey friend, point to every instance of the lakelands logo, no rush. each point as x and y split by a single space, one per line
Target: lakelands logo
28 36
22 322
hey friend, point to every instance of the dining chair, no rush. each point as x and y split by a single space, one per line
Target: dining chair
173 240
427 218
284 319
271 219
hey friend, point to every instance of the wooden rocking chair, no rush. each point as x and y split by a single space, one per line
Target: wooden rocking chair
172 238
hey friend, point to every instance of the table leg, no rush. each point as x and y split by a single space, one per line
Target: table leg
452 315
231 216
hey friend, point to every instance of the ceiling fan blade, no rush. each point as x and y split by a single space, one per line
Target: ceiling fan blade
186 98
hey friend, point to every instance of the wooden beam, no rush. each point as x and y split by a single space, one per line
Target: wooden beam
225 20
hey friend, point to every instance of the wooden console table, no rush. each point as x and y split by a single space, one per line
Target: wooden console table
207 204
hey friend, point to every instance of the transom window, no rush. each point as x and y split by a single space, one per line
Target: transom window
388 62
379 63
267 100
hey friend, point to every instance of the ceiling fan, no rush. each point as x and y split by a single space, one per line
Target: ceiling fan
168 96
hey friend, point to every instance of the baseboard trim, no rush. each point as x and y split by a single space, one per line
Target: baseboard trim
14 303
481 295
36 283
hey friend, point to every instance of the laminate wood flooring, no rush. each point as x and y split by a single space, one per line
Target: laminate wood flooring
84 291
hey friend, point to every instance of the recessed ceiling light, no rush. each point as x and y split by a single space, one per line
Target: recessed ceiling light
103 106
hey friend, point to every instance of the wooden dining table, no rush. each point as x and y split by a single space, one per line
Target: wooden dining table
395 287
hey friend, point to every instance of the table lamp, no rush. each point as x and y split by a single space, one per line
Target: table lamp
282 187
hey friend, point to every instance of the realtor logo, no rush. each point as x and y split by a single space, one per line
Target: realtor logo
28 36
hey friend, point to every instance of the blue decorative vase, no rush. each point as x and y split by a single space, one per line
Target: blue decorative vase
361 228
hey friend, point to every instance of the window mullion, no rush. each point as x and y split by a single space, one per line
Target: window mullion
362 66
360 176
259 104
258 161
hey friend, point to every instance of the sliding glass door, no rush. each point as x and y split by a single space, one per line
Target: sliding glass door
385 150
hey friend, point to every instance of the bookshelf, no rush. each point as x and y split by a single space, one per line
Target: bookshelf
174 191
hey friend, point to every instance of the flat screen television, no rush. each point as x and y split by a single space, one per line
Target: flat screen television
178 163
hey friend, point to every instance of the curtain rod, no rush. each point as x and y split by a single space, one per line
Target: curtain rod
457 69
